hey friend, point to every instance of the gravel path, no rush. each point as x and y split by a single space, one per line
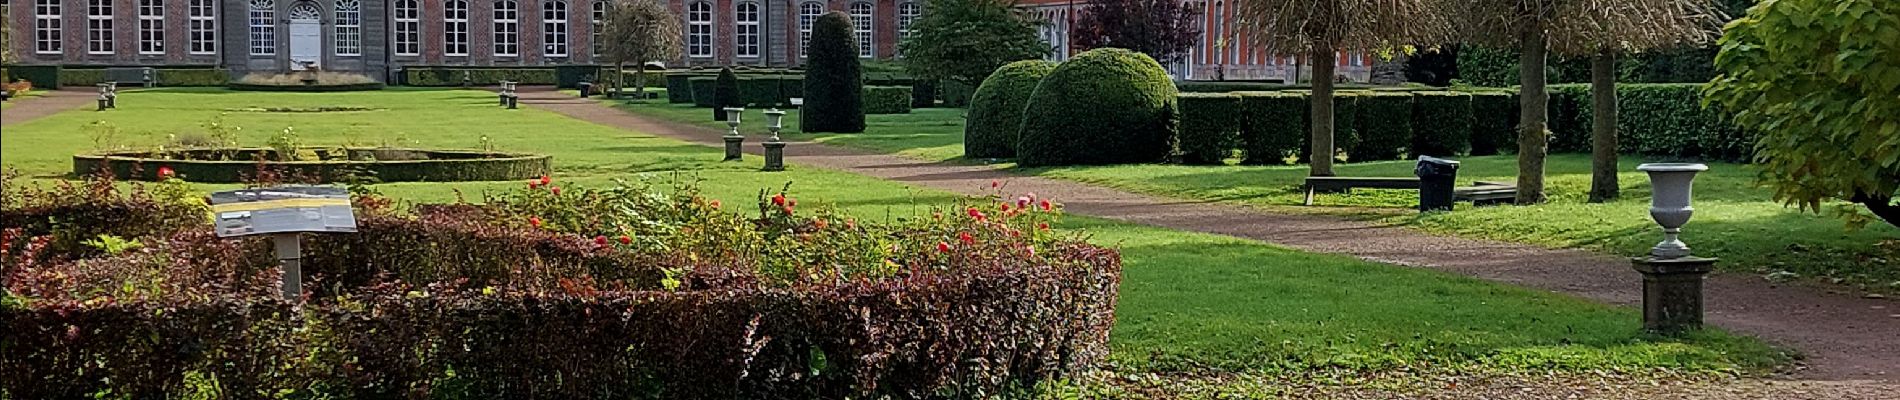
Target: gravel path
52 102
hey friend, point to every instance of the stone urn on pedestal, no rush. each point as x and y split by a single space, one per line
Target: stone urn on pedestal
774 148
1672 277
733 139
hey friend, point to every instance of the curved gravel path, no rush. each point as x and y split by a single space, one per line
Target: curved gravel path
53 102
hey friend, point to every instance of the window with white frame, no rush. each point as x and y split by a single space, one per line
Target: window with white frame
349 28
507 28
554 28
599 14
202 22
408 28
808 13
745 35
861 26
151 26
907 13
699 29
455 28
99 26
263 18
46 27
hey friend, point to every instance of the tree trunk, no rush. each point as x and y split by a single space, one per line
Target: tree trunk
640 81
1322 158
1533 131
1603 168
620 79
1882 206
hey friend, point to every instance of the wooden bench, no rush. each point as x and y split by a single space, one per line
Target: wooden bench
1486 193
1335 184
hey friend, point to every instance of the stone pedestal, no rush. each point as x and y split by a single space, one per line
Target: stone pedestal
1672 292
733 143
501 99
774 156
512 99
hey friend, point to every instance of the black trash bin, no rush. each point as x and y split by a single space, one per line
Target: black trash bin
587 89
1436 179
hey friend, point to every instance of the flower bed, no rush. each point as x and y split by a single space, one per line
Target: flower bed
326 164
626 292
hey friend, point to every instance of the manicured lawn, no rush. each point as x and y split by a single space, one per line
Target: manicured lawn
1190 302
934 134
1735 219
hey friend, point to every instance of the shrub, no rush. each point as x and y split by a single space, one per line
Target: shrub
444 76
43 76
1385 127
1103 106
1233 86
887 99
81 77
1273 126
957 94
1346 109
1441 123
725 93
760 91
834 81
996 109
678 89
923 94
1493 123
1669 120
1570 118
69 214
193 77
702 88
1210 125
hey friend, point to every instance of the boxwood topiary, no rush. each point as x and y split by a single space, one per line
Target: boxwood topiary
1210 124
887 100
1104 106
834 81
996 110
1441 123
725 93
1385 127
1273 125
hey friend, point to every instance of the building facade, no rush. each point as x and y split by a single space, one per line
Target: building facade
774 32
1225 50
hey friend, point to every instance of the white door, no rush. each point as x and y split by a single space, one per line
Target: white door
306 37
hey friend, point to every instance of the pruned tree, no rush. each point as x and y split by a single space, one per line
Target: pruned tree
966 40
1322 28
1817 78
1539 28
834 79
1631 26
1163 29
638 32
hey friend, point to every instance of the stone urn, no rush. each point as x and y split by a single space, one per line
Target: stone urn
1671 185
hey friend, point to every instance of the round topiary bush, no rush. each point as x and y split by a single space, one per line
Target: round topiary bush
834 81
1104 106
725 93
996 110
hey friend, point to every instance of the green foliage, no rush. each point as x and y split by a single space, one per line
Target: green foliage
1385 127
1273 126
703 89
1569 118
193 77
44 77
1232 86
966 40
923 93
996 109
81 77
445 76
957 94
678 88
1818 78
1670 120
1441 124
760 91
1210 127
114 245
1346 126
1494 122
887 99
834 81
1104 106
725 93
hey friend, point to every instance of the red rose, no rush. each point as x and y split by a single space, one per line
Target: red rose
165 173
788 210
534 184
1022 202
791 202
1043 226
1004 207
555 189
536 221
820 223
1046 206
715 204
974 213
994 183
778 199
624 239
943 247
545 179
600 240
966 238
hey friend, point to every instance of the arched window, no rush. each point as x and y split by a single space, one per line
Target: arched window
46 27
455 28
599 14
408 28
349 28
861 25
99 27
808 13
263 27
507 28
554 28
746 29
151 26
699 29
202 18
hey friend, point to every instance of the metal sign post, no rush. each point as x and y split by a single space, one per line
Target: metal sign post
290 253
284 212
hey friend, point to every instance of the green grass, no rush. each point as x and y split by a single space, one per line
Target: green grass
1190 301
1735 219
17 97
933 134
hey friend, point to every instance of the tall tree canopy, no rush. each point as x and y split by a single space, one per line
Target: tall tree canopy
1320 28
966 40
638 32
1818 79
1163 29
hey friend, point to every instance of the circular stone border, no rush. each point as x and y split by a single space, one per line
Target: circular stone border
355 87
387 165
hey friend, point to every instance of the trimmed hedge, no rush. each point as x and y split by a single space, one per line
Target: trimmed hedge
193 77
1441 124
923 94
1385 127
1665 119
43 77
1104 106
353 87
887 99
834 79
678 89
1346 125
1210 127
442 165
1233 86
725 94
957 94
1570 118
1493 123
1273 126
85 77
996 110
446 76
703 89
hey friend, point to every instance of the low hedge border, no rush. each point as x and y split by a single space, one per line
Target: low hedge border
445 76
355 87
1441 123
1273 125
887 99
1385 127
1209 129
466 165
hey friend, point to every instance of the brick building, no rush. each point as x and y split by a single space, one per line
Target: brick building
1207 60
773 32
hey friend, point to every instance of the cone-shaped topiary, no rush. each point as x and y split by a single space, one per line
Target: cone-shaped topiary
725 93
996 111
1104 106
834 82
